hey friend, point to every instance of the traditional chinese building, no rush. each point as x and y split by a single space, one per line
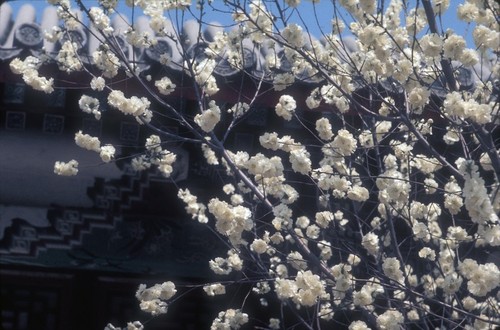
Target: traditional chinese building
88 241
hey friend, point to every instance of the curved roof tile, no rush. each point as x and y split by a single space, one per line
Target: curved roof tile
25 33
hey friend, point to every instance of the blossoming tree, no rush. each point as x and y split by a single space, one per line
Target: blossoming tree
382 213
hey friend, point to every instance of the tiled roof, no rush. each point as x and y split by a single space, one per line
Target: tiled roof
24 33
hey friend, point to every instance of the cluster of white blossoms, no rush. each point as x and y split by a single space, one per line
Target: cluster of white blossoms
107 153
344 143
224 266
477 201
100 20
68 59
97 83
465 107
426 165
364 204
209 154
418 98
358 325
365 297
282 80
305 290
260 22
286 107
231 319
53 35
165 86
482 278
87 142
106 61
324 129
155 155
135 106
370 242
92 143
293 35
431 45
165 161
193 208
29 70
90 105
231 221
263 167
140 39
203 75
66 169
390 320
136 325
300 160
239 109
392 269
209 117
343 281
153 299
214 289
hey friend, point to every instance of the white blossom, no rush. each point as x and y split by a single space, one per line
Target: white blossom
344 143
293 35
286 107
224 266
427 253
419 97
130 106
451 283
107 153
300 160
165 163
390 320
29 70
259 246
324 218
431 44
67 57
358 325
152 300
208 118
209 154
136 325
87 142
370 242
282 80
274 324
97 83
454 46
195 209
391 267
358 193
90 105
107 62
482 278
324 129
231 221
477 201
66 169
214 289
229 319
53 35
100 20
203 72
165 86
